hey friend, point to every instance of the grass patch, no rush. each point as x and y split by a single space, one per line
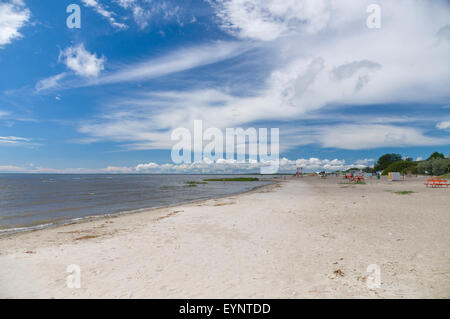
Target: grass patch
190 185
446 176
195 183
404 192
235 179
87 237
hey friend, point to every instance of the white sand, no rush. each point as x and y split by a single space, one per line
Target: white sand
303 238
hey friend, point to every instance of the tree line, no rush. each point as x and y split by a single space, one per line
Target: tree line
436 164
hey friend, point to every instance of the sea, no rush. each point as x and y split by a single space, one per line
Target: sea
33 201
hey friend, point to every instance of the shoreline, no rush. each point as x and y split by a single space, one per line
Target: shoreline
18 230
297 238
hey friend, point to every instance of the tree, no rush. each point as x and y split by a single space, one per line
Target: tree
402 167
387 159
425 167
434 167
439 166
436 155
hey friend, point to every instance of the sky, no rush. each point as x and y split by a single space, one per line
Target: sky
105 97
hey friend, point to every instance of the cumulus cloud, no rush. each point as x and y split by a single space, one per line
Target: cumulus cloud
224 166
116 169
205 166
83 63
13 16
146 167
78 60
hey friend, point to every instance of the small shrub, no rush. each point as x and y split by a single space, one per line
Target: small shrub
195 183
404 192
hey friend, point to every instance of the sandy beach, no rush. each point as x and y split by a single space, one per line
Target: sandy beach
301 238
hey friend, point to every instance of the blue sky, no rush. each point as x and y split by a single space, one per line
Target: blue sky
106 97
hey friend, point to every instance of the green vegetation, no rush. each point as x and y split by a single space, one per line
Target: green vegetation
235 179
436 155
404 192
195 183
385 160
437 164
446 176
434 167
190 185
353 169
401 167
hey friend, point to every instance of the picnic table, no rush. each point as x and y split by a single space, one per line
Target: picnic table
357 179
436 183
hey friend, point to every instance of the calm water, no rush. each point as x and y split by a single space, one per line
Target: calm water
34 201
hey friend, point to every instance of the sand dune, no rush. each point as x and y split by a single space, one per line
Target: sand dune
301 238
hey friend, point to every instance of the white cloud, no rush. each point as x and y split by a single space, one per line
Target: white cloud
321 53
11 168
126 3
145 11
16 141
13 16
116 169
37 169
365 162
146 167
269 19
232 166
81 61
50 82
180 60
4 113
100 9
355 137
146 121
443 125
89 65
